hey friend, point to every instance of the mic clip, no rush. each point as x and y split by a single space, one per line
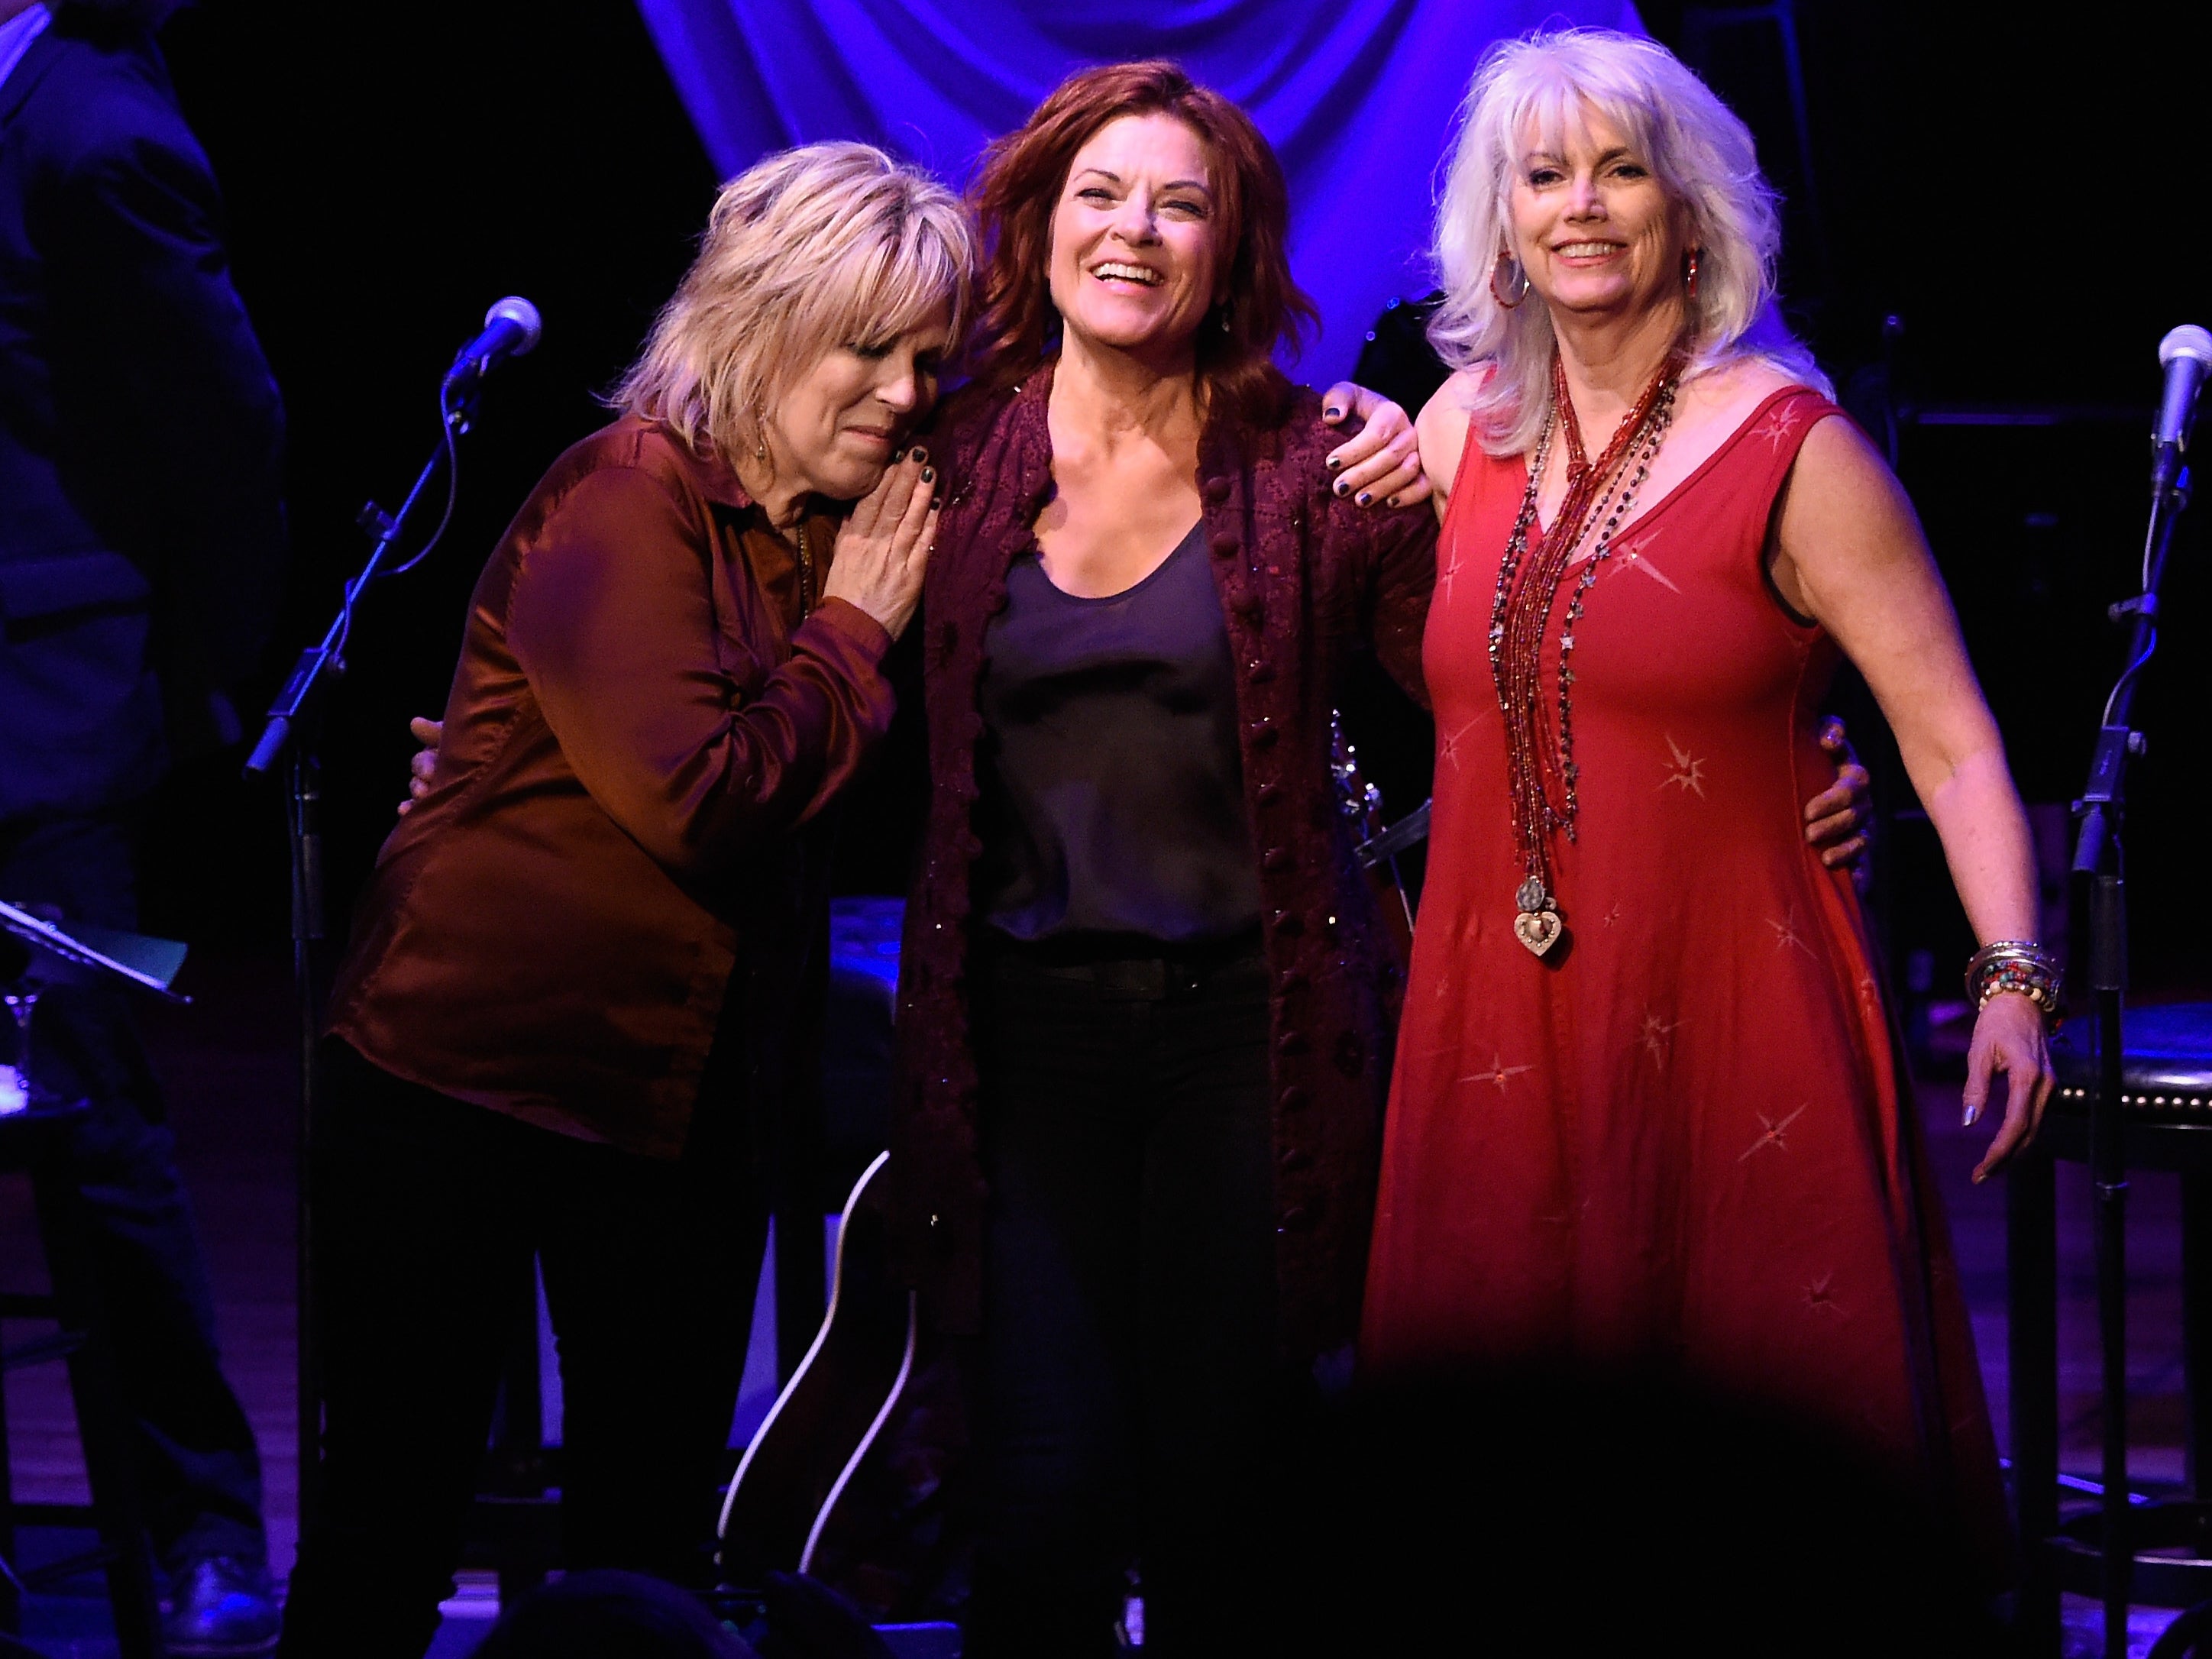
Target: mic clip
2145 604
376 523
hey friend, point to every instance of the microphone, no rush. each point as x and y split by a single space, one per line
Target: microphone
511 329
2184 354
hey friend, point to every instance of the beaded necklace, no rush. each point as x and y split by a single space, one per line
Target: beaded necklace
806 575
1521 610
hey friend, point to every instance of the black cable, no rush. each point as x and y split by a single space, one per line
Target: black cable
450 419
449 422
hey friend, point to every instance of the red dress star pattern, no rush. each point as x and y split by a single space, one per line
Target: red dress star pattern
1708 1162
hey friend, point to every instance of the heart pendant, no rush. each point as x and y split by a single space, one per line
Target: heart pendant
1539 930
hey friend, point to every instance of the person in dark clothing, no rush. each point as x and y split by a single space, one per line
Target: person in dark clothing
140 543
1145 999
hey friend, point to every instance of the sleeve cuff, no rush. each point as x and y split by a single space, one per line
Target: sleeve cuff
851 624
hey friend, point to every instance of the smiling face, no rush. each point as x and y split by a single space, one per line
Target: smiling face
835 427
1132 264
1592 226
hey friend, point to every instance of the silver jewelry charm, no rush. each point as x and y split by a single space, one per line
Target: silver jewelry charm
1538 925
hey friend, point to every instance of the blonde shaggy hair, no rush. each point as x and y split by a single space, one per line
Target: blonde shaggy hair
824 245
1704 159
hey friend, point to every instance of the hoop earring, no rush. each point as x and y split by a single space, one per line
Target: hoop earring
1690 274
1506 261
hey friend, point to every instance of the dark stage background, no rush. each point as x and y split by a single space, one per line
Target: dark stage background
2016 190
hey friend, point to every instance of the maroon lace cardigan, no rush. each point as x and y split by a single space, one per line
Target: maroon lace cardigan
1304 578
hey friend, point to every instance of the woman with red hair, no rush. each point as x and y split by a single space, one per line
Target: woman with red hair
1146 999
1148 1002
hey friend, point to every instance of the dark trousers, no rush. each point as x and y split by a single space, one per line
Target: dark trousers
1128 1384
199 1473
430 1211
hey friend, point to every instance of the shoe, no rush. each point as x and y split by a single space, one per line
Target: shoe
220 1607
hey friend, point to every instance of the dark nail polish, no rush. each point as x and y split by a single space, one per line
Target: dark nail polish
920 453
1341 486
1333 463
929 475
1365 498
897 456
1333 414
935 501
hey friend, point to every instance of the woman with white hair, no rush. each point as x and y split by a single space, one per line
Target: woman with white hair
591 958
1646 1109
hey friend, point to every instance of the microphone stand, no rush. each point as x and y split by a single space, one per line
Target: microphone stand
2099 880
292 733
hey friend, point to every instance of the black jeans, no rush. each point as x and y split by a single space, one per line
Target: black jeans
199 1473
1128 1383
430 1211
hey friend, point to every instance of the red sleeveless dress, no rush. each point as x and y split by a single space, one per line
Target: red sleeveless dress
1679 1137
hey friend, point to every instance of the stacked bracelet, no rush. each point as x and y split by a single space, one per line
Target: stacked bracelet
2014 964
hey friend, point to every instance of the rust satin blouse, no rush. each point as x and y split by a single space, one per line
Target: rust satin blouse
626 822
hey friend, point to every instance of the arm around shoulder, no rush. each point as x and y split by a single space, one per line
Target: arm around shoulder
1393 550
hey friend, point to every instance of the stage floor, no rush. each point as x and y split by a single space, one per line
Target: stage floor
228 1067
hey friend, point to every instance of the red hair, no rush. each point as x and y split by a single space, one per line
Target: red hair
1018 190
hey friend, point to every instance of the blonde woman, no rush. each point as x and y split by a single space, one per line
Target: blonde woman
1645 1111
590 955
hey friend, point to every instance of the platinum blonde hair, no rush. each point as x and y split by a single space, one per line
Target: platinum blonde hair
1700 152
824 245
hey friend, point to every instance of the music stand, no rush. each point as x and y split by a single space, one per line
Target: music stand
35 953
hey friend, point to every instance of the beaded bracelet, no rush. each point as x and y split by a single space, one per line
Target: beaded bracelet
2014 965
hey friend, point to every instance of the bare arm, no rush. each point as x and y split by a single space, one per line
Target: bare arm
1442 431
1850 555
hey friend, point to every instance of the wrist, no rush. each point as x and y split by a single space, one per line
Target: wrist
2016 967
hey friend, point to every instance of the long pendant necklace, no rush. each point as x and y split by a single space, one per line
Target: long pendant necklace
806 577
1520 614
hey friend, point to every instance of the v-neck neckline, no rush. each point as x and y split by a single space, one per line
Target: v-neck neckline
1682 485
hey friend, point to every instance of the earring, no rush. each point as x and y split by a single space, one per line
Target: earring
1225 314
1690 274
1518 279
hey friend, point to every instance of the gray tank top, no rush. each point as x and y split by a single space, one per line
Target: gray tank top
1112 787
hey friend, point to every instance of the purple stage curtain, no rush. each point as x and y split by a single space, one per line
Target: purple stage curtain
1357 97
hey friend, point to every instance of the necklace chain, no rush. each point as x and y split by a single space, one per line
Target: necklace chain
805 576
1542 776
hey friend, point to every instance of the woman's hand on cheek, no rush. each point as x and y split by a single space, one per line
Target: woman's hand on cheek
1382 461
884 548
